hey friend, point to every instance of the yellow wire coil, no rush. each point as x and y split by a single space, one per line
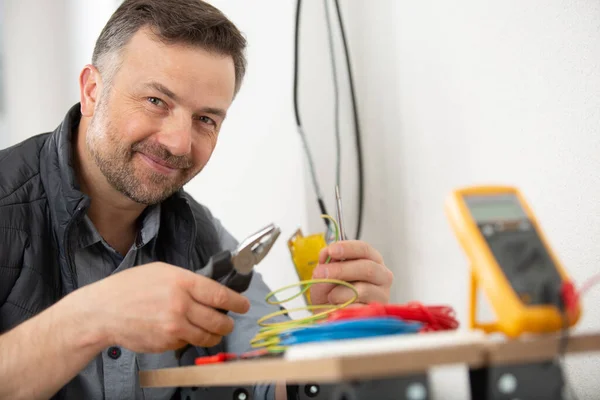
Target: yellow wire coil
268 335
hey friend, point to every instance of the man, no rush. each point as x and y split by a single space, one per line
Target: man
98 241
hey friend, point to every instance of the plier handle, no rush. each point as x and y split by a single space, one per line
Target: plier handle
234 269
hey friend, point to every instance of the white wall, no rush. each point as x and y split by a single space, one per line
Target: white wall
46 44
35 78
469 92
86 20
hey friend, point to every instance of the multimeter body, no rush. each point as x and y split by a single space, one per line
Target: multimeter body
510 260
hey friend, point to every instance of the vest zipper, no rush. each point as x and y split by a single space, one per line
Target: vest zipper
67 240
192 239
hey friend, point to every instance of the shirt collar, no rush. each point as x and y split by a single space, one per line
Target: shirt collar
147 231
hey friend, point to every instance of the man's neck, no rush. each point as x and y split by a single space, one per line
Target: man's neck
114 216
117 226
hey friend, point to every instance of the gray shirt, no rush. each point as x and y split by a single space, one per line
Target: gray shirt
113 374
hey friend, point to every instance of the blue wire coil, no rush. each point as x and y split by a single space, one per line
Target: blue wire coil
349 329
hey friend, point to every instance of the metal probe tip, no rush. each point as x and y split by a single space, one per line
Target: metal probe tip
340 217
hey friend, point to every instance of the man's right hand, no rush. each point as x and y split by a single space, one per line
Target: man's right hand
158 307
150 308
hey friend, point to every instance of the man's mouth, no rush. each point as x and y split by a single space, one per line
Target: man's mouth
158 164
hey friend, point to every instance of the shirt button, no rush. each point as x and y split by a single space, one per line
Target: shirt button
114 353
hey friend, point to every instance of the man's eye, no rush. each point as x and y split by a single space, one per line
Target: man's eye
207 120
156 101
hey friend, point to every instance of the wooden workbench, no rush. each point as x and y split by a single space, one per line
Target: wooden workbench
398 357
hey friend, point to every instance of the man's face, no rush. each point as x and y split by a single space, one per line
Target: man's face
156 126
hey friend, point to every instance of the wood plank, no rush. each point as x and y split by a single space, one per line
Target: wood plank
356 366
411 354
409 361
312 370
539 348
246 372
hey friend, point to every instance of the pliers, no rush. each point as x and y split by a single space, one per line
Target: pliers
234 268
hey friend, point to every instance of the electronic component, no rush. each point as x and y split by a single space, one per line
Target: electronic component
305 249
511 260
305 255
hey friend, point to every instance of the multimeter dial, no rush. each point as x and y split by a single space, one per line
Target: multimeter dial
517 247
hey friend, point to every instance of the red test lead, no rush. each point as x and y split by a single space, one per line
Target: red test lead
434 318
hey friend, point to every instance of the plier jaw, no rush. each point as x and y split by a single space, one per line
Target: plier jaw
254 248
234 268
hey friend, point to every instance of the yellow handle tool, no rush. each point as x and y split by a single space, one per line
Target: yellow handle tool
305 255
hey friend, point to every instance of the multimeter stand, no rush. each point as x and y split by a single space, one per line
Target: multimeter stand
538 380
408 387
216 392
542 380
473 324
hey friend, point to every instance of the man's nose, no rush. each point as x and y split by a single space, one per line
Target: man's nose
176 136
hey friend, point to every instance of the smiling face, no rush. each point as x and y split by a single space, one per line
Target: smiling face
156 125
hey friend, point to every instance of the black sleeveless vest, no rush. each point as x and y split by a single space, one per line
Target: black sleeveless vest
40 202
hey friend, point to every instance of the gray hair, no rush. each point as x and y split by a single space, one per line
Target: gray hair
191 22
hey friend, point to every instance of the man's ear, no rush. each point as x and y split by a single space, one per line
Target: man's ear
90 84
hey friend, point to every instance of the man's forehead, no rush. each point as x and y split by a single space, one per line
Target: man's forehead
178 66
144 42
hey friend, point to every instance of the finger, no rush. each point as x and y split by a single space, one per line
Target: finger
210 319
180 332
319 292
200 337
211 293
350 250
367 293
355 271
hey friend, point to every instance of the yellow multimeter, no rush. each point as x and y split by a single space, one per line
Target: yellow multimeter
510 259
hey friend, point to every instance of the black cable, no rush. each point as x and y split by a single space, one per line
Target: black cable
296 50
311 163
359 155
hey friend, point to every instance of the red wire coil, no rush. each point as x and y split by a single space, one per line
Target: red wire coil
433 318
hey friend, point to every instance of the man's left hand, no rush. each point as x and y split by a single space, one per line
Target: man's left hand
355 262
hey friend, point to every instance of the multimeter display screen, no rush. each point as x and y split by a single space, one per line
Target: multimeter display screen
495 208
